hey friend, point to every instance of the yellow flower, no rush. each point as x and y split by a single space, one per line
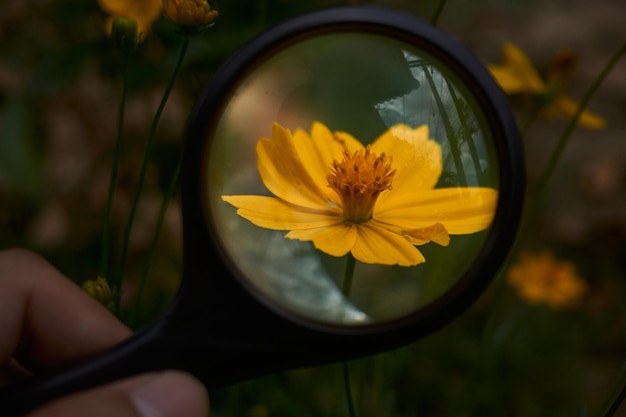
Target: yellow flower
517 75
145 12
376 202
189 13
542 279
100 290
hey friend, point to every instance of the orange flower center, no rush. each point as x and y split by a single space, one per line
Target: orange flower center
358 180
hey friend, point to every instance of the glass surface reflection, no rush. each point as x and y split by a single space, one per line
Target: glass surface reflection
368 86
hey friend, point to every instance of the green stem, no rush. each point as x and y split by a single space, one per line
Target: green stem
618 401
348 275
467 131
173 186
144 167
346 287
547 173
434 20
453 141
348 389
615 403
106 230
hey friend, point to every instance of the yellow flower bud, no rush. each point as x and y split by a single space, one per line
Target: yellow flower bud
100 290
191 16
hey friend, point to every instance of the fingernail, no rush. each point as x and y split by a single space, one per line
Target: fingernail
171 394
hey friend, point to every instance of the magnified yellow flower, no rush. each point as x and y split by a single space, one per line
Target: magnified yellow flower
145 12
376 202
517 75
542 279
189 13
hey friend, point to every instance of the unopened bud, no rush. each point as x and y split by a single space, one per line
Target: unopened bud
191 16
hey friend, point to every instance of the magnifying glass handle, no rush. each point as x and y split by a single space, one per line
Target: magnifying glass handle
128 359
218 358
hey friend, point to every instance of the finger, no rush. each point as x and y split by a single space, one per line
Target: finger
46 319
168 394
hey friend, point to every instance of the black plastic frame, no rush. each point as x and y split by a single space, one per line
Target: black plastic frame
218 329
469 70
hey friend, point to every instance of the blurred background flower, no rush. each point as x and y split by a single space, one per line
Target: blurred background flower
190 15
517 75
540 278
145 12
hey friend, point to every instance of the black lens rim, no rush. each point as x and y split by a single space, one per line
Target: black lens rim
450 52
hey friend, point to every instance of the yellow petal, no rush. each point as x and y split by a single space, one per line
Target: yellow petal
376 245
170 9
336 240
436 233
516 74
367 242
416 158
114 6
284 174
318 150
276 214
461 210
145 12
563 106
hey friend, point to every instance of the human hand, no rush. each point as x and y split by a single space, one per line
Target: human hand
46 321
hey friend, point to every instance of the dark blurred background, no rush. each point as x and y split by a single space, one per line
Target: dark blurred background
59 97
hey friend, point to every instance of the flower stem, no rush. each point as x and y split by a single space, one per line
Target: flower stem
104 269
618 400
144 167
348 275
466 132
434 19
453 140
547 173
167 197
348 389
346 287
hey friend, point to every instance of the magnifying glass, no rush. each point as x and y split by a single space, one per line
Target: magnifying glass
352 180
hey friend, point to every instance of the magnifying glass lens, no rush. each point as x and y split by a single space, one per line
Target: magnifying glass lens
351 178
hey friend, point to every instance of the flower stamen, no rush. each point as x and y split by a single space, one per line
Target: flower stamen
358 180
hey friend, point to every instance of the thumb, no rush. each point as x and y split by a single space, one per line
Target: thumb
166 394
